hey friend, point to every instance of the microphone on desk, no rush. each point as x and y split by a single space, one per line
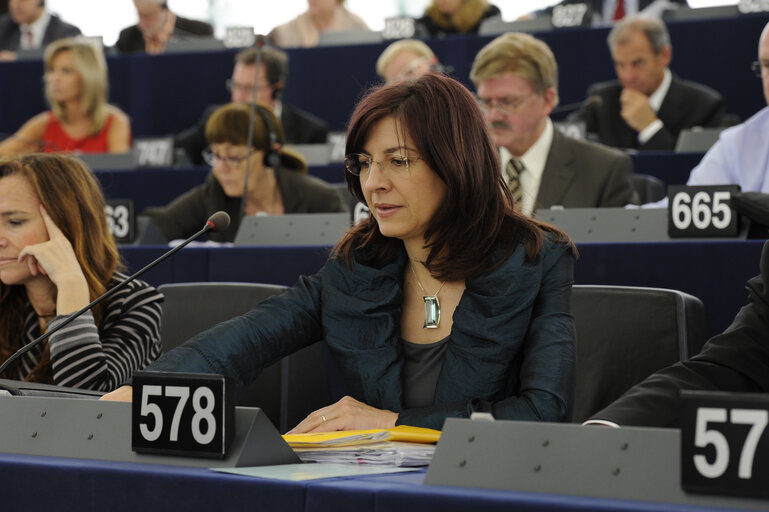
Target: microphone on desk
219 221
590 101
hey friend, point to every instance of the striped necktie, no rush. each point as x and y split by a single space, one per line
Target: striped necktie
513 171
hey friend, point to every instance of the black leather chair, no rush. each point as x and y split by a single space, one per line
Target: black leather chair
190 308
650 188
624 334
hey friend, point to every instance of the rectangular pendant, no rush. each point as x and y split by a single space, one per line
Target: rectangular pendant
432 311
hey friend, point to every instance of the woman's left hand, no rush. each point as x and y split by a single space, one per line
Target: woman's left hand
56 259
346 414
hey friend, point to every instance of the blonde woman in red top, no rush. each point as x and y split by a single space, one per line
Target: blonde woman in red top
80 119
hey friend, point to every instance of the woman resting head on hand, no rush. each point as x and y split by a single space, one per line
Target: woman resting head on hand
80 119
56 255
445 301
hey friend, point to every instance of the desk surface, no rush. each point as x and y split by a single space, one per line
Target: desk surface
44 483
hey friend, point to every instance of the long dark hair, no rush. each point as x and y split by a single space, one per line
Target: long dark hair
449 131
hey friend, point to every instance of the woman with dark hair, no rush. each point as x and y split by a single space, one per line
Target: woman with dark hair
445 17
444 302
56 256
277 177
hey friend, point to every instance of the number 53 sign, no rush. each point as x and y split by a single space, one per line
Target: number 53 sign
725 443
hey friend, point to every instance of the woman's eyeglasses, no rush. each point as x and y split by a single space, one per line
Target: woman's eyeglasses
359 164
212 159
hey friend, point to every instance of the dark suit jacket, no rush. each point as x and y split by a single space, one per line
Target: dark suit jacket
736 360
10 32
687 104
132 40
299 127
581 174
596 6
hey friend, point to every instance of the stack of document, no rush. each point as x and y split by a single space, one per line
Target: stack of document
399 446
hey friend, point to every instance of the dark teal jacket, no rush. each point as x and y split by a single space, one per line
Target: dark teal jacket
511 351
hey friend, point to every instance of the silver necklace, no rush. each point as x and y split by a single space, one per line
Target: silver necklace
432 306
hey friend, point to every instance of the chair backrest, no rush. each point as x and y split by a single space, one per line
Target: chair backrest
650 188
626 333
191 308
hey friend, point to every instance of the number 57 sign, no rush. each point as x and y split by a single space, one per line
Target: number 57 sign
725 443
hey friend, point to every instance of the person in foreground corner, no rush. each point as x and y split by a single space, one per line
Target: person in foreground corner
444 302
736 360
56 256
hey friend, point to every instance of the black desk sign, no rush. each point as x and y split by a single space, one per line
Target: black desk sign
571 15
749 6
182 414
702 211
725 443
154 152
121 220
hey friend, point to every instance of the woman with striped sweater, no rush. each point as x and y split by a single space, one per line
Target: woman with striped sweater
56 255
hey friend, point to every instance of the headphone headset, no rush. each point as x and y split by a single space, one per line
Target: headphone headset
271 156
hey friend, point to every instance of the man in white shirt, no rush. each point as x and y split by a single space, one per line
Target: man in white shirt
516 78
648 106
29 26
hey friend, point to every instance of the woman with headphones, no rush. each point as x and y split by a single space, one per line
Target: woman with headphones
264 179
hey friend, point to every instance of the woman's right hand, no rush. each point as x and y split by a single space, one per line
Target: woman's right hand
121 394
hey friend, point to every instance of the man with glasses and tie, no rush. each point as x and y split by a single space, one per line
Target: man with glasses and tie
647 106
299 126
29 26
516 78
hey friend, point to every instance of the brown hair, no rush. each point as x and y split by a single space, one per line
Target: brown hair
467 16
450 134
521 54
229 124
72 197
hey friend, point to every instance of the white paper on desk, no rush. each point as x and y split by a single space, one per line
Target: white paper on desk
388 453
298 472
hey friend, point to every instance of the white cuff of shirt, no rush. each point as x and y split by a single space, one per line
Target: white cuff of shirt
649 132
605 423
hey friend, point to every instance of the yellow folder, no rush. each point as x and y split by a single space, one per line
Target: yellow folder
354 437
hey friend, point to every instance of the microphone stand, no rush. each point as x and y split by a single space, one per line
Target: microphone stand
26 348
257 65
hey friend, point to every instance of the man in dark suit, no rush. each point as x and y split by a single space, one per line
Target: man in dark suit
299 127
157 25
736 360
648 106
29 26
613 10
516 80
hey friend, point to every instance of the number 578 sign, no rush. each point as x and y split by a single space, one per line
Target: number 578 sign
182 414
725 443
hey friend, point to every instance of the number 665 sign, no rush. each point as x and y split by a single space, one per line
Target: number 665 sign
725 443
701 211
182 414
